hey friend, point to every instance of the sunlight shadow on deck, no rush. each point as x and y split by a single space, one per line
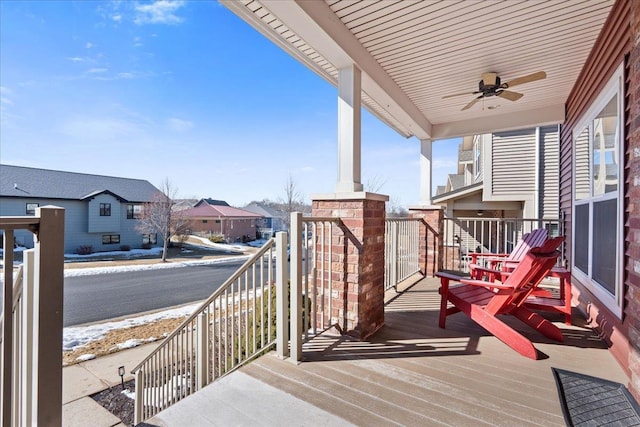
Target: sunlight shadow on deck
411 330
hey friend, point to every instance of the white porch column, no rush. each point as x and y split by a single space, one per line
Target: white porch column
426 172
349 122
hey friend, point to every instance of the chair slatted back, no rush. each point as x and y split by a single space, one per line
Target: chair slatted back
527 275
530 240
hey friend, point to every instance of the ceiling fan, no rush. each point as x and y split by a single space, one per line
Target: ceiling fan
490 85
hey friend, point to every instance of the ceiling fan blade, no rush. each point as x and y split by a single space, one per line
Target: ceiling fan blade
459 94
511 96
526 79
471 104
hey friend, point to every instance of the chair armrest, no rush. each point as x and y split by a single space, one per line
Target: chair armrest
484 284
487 255
446 277
491 272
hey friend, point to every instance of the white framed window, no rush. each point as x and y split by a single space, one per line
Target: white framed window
598 143
31 208
110 239
477 155
149 239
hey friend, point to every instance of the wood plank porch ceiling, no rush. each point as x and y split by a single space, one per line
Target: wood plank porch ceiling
414 52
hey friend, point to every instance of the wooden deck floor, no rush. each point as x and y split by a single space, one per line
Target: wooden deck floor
414 373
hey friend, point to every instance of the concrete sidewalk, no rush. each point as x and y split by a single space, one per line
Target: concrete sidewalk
82 380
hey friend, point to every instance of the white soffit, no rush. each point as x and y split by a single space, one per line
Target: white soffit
414 52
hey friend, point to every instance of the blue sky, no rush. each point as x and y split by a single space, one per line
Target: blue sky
185 91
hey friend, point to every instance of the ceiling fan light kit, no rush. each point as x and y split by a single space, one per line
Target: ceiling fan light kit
491 85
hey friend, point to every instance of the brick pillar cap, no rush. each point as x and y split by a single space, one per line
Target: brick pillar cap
356 195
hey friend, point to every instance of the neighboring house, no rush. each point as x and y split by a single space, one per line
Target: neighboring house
210 202
505 175
182 204
221 219
271 222
101 211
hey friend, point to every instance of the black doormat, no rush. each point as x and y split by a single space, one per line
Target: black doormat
590 401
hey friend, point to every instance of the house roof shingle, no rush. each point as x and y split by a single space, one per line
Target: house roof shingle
263 210
212 202
208 211
19 181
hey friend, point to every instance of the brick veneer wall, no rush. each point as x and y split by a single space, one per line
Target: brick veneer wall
632 203
358 264
430 248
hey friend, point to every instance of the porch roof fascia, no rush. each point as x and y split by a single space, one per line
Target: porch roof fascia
316 24
460 192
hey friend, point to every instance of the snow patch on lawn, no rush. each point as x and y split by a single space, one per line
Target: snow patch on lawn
130 394
85 357
75 337
133 342
75 272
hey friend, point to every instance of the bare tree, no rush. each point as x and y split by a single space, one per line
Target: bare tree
292 201
395 209
158 216
375 183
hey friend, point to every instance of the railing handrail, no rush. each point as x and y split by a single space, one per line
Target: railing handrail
321 219
18 222
266 247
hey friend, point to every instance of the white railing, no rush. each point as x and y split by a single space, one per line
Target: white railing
241 320
319 247
463 236
31 339
401 246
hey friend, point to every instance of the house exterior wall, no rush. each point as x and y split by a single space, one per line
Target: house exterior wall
534 181
77 223
510 148
614 46
549 167
104 224
232 229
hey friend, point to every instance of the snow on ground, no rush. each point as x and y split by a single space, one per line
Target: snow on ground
133 253
74 337
220 246
75 272
130 394
132 342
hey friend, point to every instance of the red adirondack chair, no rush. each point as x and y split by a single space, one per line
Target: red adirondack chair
483 301
507 262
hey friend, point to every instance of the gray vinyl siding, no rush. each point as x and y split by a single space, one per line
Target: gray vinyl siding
514 163
104 224
549 172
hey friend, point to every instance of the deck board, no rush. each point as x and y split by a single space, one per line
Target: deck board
412 372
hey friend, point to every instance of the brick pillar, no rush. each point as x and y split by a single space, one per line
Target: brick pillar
632 203
430 256
358 279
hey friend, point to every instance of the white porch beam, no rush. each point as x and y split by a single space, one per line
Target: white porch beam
349 130
426 172
502 122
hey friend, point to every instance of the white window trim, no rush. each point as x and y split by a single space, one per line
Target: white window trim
477 162
615 85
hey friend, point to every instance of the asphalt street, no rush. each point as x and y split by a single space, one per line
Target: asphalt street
106 296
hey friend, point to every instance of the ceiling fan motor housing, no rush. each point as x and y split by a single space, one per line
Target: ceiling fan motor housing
489 84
